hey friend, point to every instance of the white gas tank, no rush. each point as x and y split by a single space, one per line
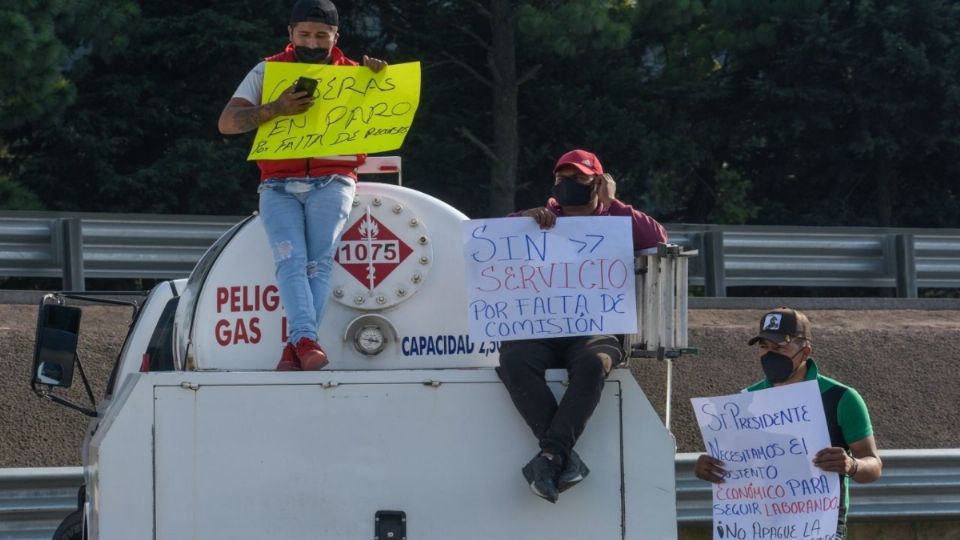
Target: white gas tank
397 293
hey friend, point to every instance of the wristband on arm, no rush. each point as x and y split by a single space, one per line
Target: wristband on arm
856 467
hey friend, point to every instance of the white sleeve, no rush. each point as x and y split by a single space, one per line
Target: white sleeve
251 87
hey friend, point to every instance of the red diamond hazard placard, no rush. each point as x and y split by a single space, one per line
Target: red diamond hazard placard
369 251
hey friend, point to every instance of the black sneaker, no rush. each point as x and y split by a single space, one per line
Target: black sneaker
541 473
574 471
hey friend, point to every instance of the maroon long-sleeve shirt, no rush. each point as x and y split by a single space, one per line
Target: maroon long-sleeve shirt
647 232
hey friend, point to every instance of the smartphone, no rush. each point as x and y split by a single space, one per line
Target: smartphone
306 84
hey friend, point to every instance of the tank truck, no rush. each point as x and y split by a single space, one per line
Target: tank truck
407 434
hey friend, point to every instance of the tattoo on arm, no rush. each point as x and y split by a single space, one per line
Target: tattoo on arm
249 118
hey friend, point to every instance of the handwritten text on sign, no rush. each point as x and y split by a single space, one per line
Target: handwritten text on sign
767 440
355 110
575 279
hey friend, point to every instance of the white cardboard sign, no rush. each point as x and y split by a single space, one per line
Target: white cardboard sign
575 279
767 440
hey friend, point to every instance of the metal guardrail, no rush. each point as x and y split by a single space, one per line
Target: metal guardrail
34 501
902 259
78 246
916 485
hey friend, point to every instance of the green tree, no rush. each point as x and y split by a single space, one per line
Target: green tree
497 48
46 45
14 196
632 103
142 135
842 112
45 42
730 111
550 32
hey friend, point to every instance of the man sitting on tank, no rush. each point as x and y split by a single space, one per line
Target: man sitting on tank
580 188
304 203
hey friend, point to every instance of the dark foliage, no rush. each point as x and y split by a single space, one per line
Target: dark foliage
724 111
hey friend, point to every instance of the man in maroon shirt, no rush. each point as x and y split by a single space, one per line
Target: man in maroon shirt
580 189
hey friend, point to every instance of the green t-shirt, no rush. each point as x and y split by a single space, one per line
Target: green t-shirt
848 420
851 420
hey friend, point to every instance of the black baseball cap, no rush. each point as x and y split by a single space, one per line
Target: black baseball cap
782 325
322 11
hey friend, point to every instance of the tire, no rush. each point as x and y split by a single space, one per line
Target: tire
71 528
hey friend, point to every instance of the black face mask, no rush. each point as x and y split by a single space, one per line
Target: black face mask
777 367
569 192
308 55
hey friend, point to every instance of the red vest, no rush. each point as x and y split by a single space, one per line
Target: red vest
298 168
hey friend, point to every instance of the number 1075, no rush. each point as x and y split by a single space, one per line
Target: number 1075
376 251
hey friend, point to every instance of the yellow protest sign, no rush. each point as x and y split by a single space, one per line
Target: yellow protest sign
356 111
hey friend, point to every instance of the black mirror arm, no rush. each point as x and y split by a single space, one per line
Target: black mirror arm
86 383
44 393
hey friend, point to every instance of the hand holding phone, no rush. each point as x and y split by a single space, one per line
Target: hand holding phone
306 84
296 99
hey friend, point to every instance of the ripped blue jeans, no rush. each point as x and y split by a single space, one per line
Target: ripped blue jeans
303 219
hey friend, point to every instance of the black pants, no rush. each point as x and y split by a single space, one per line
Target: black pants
587 360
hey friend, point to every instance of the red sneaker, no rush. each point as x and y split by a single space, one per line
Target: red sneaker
289 360
312 357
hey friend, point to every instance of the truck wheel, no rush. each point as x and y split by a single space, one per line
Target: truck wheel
71 528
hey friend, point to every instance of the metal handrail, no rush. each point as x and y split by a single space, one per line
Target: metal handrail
916 485
78 245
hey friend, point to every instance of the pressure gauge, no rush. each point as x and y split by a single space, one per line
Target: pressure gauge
369 340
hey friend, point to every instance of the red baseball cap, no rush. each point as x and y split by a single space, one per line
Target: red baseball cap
587 162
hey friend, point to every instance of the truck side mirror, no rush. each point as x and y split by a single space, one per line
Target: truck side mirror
55 350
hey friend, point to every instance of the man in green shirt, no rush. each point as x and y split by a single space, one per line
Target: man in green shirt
785 340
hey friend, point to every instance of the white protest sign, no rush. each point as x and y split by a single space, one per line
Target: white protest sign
575 279
767 440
